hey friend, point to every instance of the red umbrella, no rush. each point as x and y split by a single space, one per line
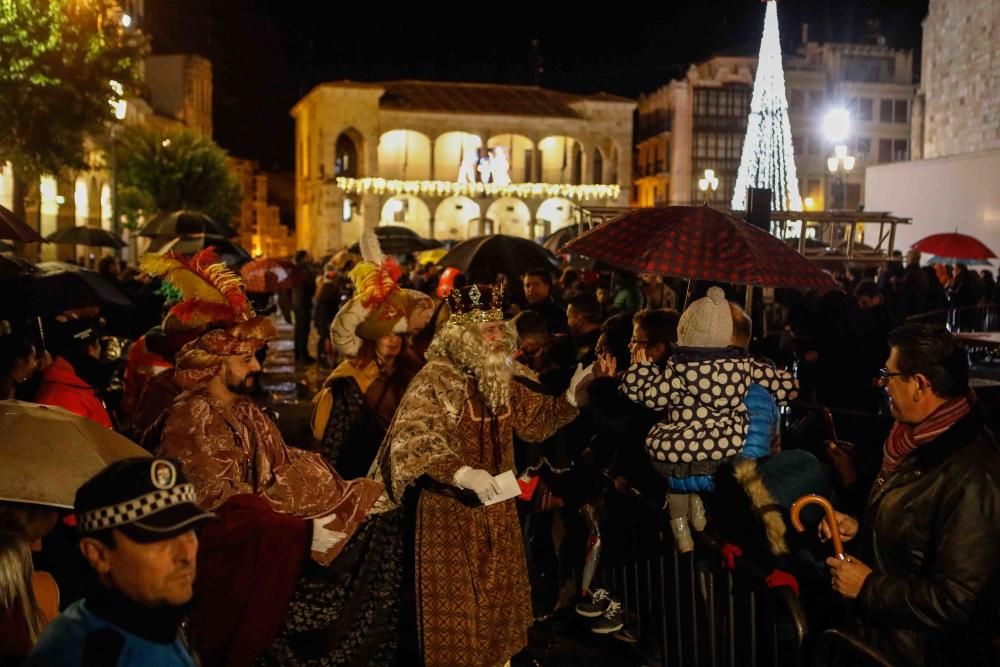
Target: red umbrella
12 227
954 245
270 275
699 243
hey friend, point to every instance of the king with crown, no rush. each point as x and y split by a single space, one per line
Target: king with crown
452 434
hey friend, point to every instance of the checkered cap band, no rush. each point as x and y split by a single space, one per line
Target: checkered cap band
132 510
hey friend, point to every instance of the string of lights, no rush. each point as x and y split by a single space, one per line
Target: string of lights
383 186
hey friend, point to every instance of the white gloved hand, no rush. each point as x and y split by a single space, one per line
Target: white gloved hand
576 394
478 481
323 538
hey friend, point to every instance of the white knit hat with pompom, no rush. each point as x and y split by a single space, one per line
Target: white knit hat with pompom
707 322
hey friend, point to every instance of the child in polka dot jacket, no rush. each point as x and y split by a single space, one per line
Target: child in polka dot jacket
701 394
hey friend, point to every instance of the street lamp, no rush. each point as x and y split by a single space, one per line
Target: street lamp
708 183
837 127
119 106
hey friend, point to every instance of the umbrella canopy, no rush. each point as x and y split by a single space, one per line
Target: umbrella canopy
955 245
47 453
61 287
266 276
12 227
231 253
431 256
482 258
560 237
94 237
397 240
959 260
699 243
179 223
16 266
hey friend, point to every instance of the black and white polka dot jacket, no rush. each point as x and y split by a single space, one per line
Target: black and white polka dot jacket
700 394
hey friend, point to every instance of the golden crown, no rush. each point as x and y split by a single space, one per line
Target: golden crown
476 303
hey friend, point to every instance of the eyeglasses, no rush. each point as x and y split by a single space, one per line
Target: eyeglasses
637 342
884 374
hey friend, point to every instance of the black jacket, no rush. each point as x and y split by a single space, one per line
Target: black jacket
931 535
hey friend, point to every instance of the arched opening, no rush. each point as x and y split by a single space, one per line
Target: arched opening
81 199
452 217
407 210
48 191
520 153
106 207
346 154
557 212
597 173
561 160
510 216
6 185
404 155
456 157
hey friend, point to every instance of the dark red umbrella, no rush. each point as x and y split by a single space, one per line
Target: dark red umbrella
268 275
12 227
699 243
954 245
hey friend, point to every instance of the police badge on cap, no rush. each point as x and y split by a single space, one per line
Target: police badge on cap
148 499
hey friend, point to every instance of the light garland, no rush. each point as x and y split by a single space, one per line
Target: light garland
383 186
768 157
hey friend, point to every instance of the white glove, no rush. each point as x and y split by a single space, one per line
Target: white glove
478 481
324 539
576 394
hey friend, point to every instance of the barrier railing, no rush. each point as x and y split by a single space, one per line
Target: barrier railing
966 319
687 609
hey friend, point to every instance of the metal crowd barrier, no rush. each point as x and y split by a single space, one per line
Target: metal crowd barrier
687 609
837 648
966 319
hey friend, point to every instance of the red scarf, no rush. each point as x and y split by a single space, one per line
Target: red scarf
905 438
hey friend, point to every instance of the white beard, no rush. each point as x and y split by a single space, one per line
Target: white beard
493 371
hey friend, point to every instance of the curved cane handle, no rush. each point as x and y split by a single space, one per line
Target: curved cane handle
830 518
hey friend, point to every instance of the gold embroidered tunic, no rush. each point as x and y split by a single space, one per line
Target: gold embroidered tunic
473 596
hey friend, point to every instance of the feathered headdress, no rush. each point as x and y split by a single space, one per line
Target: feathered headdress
212 300
211 294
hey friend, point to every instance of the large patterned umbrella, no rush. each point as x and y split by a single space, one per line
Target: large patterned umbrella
699 243
959 246
266 275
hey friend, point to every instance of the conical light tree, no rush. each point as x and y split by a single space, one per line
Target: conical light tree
768 157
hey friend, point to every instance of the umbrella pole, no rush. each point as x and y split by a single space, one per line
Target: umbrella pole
41 332
688 294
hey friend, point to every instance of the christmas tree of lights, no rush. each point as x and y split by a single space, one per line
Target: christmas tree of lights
768 158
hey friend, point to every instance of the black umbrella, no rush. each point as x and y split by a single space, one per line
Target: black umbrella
61 287
178 223
482 258
16 266
396 240
232 254
12 227
560 237
95 237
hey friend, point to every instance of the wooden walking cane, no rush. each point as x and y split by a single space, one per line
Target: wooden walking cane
830 518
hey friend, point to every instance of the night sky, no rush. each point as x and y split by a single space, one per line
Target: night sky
266 54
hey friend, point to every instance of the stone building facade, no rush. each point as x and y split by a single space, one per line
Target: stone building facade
180 89
698 122
957 106
258 220
426 155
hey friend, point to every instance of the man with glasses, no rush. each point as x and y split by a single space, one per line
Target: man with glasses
925 580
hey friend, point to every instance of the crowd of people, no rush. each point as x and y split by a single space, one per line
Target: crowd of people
473 442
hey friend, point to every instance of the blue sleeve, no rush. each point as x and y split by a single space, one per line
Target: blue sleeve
762 410
61 645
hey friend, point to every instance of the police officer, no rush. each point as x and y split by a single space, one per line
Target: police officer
136 520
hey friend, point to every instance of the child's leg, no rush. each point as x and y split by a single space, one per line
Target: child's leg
677 504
